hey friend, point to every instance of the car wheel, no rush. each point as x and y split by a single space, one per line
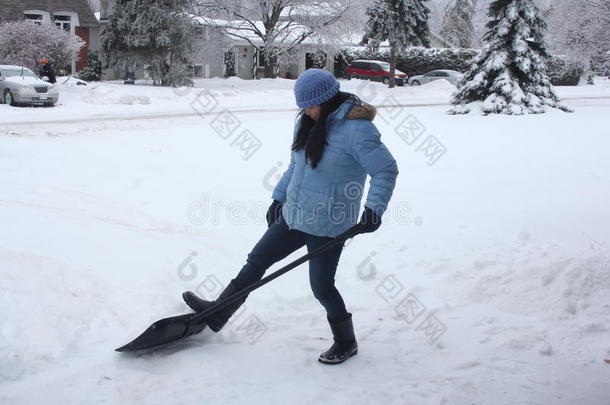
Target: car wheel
8 98
415 83
353 76
386 80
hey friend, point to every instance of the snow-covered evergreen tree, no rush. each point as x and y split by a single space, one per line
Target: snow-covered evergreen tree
156 34
456 26
93 71
509 76
402 23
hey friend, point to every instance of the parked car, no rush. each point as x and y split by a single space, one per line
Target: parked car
450 75
374 70
19 85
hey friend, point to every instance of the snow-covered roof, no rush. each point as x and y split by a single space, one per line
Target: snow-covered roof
14 9
244 29
314 9
369 60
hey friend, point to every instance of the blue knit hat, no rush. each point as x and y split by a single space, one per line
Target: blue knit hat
315 86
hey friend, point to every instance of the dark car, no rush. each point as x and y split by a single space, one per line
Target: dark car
374 70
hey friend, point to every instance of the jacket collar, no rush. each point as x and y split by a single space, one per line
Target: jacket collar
353 108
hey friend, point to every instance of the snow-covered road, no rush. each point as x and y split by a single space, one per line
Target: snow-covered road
488 282
598 101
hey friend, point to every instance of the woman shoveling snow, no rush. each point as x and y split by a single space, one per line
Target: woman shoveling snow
318 197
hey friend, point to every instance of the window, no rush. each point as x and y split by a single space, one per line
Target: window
202 32
442 74
385 66
62 21
18 72
201 71
197 71
36 18
229 65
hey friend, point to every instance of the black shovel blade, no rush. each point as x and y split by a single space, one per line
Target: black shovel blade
165 331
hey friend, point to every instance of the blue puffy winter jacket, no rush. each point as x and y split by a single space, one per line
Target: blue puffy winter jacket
325 201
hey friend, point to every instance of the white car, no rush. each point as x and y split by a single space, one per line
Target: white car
451 76
19 85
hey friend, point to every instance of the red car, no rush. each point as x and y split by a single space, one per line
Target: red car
374 70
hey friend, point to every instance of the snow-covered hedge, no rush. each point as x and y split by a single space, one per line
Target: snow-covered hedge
562 70
25 43
600 64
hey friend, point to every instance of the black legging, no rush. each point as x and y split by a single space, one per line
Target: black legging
277 243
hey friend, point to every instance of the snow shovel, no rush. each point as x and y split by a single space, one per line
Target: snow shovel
177 327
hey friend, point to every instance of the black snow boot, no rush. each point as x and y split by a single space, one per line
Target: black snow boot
344 345
218 319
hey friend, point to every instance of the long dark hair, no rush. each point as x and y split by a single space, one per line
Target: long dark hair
312 134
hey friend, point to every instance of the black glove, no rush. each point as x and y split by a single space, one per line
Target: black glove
369 221
274 212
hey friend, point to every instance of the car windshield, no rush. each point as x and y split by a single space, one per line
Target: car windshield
17 72
385 66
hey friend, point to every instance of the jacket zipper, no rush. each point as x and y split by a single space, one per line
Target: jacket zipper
299 187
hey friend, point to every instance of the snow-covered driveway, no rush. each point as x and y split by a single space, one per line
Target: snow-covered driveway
488 283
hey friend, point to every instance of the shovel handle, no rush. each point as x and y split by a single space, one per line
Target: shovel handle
351 232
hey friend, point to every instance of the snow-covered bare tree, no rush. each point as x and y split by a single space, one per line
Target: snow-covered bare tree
156 34
277 27
26 43
581 28
509 76
456 25
95 5
403 23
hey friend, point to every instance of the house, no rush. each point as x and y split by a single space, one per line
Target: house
240 54
75 16
216 54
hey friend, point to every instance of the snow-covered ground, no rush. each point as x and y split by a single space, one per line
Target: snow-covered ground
488 283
